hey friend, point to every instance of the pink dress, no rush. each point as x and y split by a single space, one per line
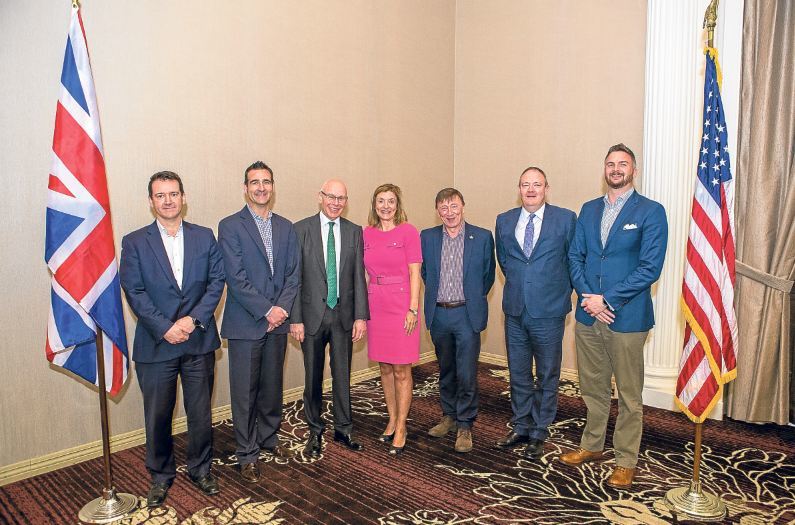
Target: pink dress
386 258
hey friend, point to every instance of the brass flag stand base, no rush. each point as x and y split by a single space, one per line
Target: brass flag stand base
695 503
109 507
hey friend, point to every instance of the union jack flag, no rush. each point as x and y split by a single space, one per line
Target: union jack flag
708 359
79 248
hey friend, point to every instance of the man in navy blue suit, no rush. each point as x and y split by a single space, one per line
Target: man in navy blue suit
173 277
458 270
261 257
617 254
532 246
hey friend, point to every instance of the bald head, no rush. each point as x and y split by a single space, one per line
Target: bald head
333 197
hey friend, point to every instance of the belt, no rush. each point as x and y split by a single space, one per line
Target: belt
388 279
453 304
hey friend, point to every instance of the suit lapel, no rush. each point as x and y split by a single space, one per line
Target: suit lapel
189 250
469 240
513 220
546 225
346 244
159 251
597 223
626 210
251 227
316 242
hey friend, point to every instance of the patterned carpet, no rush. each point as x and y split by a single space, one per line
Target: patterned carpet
752 468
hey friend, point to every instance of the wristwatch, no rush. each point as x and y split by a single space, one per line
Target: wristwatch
197 323
413 310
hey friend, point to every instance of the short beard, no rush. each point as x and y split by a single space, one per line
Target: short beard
626 181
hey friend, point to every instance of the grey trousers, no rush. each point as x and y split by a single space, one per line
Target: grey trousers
601 354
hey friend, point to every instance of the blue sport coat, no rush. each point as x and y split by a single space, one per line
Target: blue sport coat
630 262
156 299
478 272
252 288
540 284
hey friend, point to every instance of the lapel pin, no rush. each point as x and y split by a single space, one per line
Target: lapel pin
471 237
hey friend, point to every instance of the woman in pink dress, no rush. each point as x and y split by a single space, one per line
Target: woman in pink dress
392 258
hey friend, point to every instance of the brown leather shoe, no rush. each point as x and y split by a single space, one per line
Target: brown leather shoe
250 472
463 441
580 456
621 478
444 427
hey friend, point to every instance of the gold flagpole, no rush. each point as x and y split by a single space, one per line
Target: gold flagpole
111 505
691 500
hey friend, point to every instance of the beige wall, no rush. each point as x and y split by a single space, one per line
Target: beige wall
423 94
358 90
545 83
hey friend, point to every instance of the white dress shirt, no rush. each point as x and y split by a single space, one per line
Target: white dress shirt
524 216
175 250
337 242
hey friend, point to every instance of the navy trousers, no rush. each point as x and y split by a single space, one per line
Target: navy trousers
457 350
534 398
158 383
256 376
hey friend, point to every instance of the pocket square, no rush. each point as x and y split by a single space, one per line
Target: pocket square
632 226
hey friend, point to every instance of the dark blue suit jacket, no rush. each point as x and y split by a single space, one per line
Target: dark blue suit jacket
156 299
541 283
252 288
478 272
624 270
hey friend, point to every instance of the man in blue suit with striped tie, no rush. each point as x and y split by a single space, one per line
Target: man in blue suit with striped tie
532 246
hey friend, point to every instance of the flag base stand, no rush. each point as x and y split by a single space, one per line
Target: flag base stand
696 503
109 507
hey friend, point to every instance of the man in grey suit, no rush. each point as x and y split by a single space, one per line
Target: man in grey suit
261 254
330 309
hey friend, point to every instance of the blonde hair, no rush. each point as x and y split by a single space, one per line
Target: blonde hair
400 214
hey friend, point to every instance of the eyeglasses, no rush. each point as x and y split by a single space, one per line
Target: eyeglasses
342 199
260 182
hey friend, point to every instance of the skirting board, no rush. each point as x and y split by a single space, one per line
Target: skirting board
72 456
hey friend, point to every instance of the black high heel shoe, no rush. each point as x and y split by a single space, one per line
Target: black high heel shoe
386 438
396 451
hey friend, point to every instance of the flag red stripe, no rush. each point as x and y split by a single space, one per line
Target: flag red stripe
84 266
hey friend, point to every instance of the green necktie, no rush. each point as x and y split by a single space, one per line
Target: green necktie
331 267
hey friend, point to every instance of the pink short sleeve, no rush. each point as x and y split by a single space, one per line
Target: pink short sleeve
411 240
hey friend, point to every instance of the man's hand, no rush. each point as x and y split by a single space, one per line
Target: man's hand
594 305
297 332
186 323
276 317
176 335
359 329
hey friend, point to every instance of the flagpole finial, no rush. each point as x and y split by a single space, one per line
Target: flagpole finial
75 4
710 20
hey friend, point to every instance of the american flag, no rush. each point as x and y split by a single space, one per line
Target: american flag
79 248
708 359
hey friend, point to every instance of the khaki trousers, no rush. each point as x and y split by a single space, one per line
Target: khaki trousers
601 354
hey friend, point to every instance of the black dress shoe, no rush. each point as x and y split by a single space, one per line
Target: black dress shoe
512 439
314 445
347 440
157 494
250 472
396 451
534 449
386 438
207 484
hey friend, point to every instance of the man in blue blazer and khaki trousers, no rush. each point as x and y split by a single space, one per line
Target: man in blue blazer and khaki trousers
458 270
173 277
262 261
532 246
617 254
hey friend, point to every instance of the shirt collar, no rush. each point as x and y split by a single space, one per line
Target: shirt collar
164 231
538 213
325 220
621 199
256 216
461 232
